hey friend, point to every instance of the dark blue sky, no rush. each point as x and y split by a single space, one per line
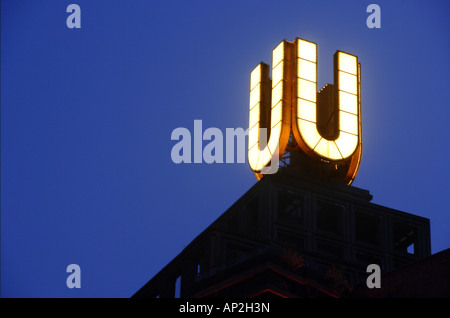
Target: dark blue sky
87 116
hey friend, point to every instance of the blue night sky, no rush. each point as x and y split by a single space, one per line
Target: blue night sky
87 116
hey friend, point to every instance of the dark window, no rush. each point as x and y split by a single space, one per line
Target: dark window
201 264
330 218
367 228
404 237
178 287
290 206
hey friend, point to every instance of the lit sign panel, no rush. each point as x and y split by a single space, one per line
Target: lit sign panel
326 125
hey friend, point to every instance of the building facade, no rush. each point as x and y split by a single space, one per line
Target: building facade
290 236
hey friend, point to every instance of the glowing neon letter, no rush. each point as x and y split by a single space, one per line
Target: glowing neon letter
348 83
266 94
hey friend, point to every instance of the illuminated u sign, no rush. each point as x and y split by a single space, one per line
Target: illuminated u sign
326 125
270 96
